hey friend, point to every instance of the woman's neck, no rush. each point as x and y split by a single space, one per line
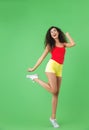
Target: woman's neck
58 43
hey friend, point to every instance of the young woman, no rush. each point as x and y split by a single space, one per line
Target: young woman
56 44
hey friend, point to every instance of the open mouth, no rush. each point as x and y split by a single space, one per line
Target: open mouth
54 35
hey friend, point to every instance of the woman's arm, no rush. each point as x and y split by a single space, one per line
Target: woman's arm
46 51
71 41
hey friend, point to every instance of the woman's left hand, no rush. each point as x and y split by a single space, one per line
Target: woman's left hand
67 34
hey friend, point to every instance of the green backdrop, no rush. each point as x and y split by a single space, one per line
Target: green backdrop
24 105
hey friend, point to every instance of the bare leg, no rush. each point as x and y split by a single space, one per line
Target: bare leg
51 86
55 99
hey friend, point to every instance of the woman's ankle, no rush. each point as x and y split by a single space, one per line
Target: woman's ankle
53 116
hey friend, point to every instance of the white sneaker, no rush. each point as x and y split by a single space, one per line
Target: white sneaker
54 123
32 77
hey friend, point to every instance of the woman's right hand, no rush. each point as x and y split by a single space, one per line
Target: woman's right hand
30 69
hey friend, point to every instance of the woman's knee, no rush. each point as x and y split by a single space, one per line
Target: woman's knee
55 92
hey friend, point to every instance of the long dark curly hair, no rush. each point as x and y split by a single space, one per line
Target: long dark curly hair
50 41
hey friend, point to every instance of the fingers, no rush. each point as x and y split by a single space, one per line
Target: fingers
67 33
30 69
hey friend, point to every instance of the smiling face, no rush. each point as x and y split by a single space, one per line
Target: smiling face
54 33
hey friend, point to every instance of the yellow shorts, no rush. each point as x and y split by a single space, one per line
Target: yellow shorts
54 67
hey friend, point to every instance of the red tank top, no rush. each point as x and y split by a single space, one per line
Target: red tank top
58 54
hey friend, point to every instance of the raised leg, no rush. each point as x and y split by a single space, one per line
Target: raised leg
51 86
